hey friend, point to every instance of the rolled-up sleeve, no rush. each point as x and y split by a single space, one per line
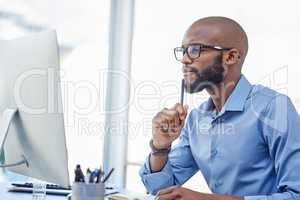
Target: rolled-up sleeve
281 129
178 169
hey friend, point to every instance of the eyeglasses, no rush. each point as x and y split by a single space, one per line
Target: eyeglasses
193 51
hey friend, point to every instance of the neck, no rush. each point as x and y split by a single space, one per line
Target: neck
220 93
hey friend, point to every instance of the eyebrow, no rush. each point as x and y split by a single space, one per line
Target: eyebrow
218 47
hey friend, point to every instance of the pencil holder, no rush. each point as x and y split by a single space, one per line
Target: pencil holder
90 191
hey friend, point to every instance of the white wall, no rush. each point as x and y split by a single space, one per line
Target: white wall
273 30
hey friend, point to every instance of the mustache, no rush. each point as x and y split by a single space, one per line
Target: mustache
186 69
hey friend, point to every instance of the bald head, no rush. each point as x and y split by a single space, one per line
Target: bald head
218 31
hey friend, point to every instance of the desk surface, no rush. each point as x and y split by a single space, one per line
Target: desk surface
4 194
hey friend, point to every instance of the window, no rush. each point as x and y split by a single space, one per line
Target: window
82 30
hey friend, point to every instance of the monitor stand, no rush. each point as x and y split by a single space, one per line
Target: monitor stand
8 116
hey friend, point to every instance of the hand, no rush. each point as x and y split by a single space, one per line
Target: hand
167 125
180 193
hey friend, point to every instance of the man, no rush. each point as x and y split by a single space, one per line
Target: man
245 139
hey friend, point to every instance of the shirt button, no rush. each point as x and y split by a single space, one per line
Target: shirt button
218 183
221 120
214 152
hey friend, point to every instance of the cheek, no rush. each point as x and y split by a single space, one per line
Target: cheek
202 63
206 59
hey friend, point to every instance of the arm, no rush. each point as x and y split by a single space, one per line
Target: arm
281 130
178 167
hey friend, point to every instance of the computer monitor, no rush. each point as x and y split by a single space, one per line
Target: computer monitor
31 111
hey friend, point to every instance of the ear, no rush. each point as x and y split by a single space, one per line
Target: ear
232 56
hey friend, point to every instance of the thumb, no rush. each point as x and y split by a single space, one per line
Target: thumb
186 108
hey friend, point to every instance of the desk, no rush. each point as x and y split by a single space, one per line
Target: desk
5 195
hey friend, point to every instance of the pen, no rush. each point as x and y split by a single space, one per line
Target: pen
79 177
94 175
108 175
182 92
99 175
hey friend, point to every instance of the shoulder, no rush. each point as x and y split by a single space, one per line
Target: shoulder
263 92
262 98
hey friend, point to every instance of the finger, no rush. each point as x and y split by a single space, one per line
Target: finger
173 128
175 124
175 194
186 107
167 190
175 113
164 127
182 110
165 116
169 121
170 112
162 121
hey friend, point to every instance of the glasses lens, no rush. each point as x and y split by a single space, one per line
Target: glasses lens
179 51
194 51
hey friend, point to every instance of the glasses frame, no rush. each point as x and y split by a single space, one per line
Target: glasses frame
201 46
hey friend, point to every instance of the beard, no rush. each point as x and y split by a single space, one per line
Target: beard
207 78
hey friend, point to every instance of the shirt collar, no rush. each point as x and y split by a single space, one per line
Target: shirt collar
237 98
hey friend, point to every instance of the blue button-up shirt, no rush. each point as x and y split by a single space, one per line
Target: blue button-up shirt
251 148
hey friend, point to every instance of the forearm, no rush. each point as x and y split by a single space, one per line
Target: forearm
157 162
155 181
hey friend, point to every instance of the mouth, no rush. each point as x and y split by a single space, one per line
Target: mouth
189 74
189 69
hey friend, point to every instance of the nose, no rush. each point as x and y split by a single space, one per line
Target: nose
185 59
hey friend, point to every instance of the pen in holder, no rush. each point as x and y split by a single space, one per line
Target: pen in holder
90 191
